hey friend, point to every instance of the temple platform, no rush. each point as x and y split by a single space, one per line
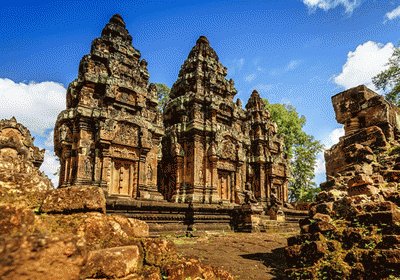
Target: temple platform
190 219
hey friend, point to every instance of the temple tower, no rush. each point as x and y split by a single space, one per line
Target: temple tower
110 133
268 166
206 142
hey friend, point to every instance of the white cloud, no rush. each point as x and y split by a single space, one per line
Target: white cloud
50 166
331 139
348 5
49 142
362 64
393 14
36 105
293 64
249 78
319 167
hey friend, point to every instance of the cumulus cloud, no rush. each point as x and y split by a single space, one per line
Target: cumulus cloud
331 139
36 106
362 64
319 167
393 14
249 78
348 5
50 166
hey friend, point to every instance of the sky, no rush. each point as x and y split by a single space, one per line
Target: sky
297 52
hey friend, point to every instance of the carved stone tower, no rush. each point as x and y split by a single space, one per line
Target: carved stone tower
267 170
206 141
110 133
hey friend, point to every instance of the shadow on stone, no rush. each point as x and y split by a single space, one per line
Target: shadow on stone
274 260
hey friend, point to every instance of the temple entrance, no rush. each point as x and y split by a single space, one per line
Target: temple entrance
122 178
224 185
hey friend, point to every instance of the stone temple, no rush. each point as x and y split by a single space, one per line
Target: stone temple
204 150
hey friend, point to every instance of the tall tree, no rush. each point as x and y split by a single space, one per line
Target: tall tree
301 148
163 95
389 79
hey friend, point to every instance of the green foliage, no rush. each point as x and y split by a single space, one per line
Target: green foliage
301 148
163 92
389 79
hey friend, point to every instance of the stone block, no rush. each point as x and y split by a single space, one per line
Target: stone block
305 254
360 180
299 239
74 200
321 226
159 252
383 218
390 242
37 256
322 217
15 220
368 190
193 269
102 231
116 262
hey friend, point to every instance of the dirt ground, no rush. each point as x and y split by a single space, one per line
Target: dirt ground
256 256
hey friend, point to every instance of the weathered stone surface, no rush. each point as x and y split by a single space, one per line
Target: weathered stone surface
109 135
21 182
15 220
96 230
356 218
40 257
116 262
159 252
193 269
75 199
224 147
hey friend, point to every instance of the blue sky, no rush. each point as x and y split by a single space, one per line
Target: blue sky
299 52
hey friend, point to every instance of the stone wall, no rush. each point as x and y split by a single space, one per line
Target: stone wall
353 230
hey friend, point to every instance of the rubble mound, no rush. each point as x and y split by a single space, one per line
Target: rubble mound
63 233
353 230
21 182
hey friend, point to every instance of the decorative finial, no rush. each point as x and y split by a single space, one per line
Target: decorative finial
202 39
117 19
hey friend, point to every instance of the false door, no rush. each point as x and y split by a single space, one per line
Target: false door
123 180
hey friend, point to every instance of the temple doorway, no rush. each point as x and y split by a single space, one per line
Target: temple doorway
123 181
224 186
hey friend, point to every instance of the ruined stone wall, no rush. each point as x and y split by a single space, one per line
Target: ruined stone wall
353 230
21 181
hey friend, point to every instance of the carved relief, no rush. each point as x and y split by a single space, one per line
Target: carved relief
127 134
228 149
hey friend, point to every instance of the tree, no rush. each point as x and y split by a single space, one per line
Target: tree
301 148
162 95
389 79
